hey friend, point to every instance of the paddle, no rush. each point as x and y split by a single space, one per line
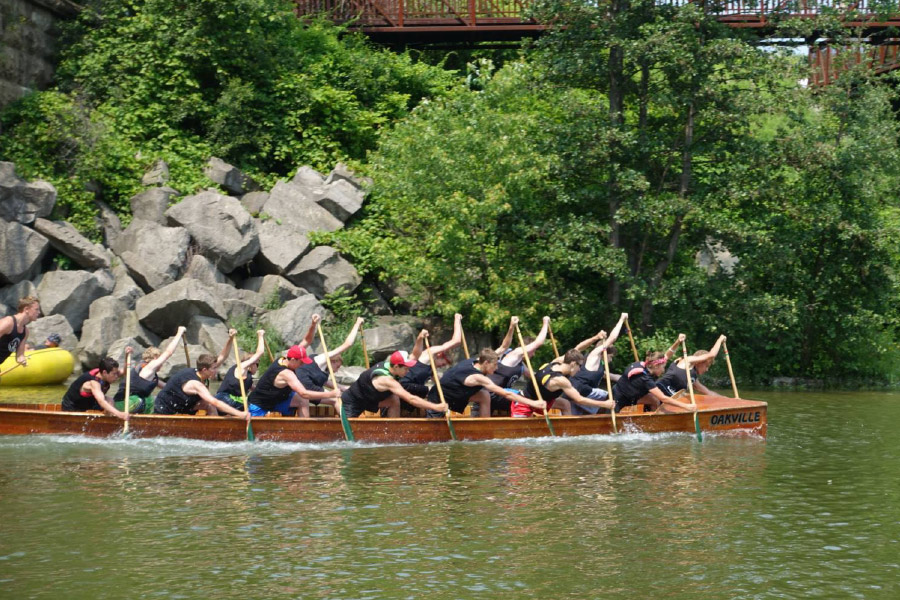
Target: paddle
553 341
537 390
362 338
127 389
345 424
15 366
609 390
437 383
187 354
269 350
464 344
730 372
690 384
631 339
239 373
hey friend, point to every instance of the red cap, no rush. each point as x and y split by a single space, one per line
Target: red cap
299 353
401 358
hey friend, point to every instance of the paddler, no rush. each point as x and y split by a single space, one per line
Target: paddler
469 381
185 392
675 378
144 377
589 381
279 390
14 329
314 375
553 380
416 379
229 391
379 388
637 385
88 391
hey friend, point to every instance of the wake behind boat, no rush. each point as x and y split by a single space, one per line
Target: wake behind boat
716 414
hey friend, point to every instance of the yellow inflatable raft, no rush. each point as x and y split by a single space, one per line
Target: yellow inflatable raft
45 367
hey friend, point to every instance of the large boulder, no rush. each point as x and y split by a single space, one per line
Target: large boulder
40 329
23 201
157 174
342 172
208 332
154 255
108 222
295 205
239 303
110 320
223 230
341 198
164 310
204 271
126 290
11 294
273 288
306 176
292 320
323 271
254 201
22 252
177 362
152 204
70 293
280 247
229 177
384 335
67 240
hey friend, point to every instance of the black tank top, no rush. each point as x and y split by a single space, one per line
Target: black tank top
506 376
674 380
9 343
231 385
172 400
633 385
140 387
75 401
544 375
363 390
419 373
453 384
312 376
266 396
586 380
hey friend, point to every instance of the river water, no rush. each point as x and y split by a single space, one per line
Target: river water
811 512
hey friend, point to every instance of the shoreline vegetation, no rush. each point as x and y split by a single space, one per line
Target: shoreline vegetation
644 160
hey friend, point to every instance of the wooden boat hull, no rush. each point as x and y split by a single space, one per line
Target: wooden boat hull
717 415
50 366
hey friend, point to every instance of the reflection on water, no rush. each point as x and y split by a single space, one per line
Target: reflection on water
811 512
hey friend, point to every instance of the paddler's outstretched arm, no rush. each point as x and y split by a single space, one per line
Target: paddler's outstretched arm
572 394
104 403
515 357
384 384
419 345
508 338
197 388
311 332
224 353
713 352
348 341
156 364
453 342
260 348
593 360
484 381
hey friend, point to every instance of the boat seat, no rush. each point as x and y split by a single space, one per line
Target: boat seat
632 410
553 412
94 412
367 414
200 413
274 414
322 410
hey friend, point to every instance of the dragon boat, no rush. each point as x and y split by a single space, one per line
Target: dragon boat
716 414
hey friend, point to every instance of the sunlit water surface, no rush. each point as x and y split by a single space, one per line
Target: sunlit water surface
812 512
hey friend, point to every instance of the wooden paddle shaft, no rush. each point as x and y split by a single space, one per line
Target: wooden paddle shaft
269 350
362 338
609 389
437 384
127 389
464 344
537 390
730 372
338 404
239 374
553 341
187 354
690 385
631 340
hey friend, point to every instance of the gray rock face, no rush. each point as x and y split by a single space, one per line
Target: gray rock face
177 363
23 201
254 202
126 289
387 334
295 205
151 205
306 176
229 177
224 231
70 293
22 252
65 238
108 322
40 329
323 271
280 247
204 271
11 294
154 255
340 198
292 320
164 310
157 174
208 332
109 223
342 172
274 286
347 375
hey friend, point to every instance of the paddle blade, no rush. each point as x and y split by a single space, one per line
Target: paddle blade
250 436
697 427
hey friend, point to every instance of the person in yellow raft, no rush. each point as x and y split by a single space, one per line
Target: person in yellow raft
14 329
